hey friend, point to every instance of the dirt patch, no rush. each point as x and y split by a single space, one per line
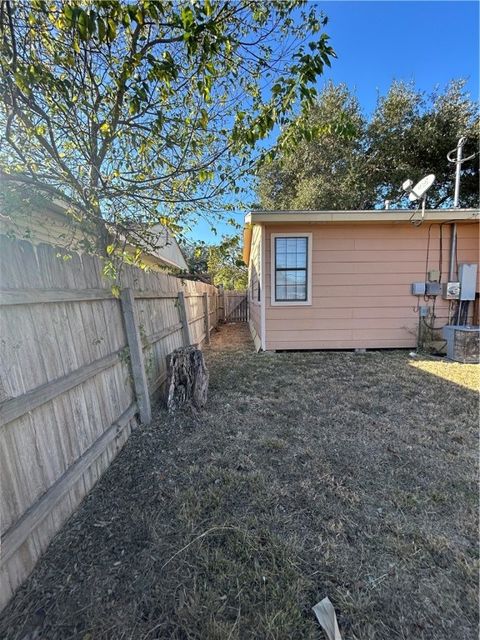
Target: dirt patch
309 474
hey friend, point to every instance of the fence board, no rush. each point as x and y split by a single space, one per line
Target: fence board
43 296
18 534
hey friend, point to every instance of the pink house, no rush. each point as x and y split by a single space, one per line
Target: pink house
358 279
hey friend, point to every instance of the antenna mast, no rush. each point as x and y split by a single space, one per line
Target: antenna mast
459 160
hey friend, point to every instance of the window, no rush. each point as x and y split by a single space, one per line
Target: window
254 283
290 269
252 280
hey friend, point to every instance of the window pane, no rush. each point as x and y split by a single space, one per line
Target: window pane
301 292
281 260
291 252
291 260
280 253
290 277
300 253
280 292
301 260
291 285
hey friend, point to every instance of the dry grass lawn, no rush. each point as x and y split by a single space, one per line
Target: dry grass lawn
309 474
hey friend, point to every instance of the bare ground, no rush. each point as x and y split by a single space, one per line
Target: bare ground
309 474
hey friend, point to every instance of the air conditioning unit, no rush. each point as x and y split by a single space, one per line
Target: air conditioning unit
463 343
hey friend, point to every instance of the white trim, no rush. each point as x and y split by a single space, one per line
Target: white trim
293 303
263 289
369 216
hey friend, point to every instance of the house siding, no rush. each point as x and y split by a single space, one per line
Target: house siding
361 283
254 281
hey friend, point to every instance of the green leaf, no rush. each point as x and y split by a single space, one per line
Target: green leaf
203 118
101 29
82 24
111 29
186 16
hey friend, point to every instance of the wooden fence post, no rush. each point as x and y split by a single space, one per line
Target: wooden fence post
206 313
136 356
182 312
221 294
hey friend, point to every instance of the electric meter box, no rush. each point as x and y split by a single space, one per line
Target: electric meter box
467 274
433 289
451 290
418 288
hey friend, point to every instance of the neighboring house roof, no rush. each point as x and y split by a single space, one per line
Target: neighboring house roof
168 251
370 216
52 225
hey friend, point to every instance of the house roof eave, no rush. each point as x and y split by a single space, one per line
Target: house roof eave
369 216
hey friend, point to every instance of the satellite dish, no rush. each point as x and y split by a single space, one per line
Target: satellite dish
421 188
418 192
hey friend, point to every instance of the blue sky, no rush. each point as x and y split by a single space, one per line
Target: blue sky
427 42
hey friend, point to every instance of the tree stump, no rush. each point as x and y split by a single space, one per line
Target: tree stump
187 378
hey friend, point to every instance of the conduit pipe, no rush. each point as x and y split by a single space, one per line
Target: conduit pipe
453 251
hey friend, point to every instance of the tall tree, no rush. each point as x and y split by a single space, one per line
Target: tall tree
225 264
408 136
327 170
148 111
221 263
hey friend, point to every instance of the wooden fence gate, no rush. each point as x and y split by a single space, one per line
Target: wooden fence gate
236 306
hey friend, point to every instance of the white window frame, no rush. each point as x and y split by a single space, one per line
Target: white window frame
291 303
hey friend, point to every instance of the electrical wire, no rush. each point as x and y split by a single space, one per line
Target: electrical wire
428 249
440 256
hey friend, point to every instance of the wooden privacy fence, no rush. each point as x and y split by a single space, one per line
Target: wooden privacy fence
78 368
236 306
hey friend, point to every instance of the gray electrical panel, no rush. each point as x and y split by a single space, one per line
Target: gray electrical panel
433 289
467 274
418 288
